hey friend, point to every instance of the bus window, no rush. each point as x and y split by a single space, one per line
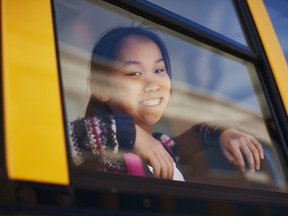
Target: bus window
209 88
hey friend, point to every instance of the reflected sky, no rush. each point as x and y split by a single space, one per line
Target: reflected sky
219 16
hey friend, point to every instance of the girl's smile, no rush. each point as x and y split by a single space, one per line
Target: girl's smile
151 102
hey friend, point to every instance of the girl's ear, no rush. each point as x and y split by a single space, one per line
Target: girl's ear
99 91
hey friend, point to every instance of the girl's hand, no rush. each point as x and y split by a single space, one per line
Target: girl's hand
155 155
236 144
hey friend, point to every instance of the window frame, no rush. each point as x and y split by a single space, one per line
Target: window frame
117 184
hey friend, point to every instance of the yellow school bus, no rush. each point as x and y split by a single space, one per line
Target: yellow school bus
228 66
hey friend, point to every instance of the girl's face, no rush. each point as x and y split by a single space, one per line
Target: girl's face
142 87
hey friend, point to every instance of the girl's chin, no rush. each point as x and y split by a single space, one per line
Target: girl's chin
150 122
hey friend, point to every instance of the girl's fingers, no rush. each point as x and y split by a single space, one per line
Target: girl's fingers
249 156
156 166
161 162
258 146
238 157
163 166
256 155
167 168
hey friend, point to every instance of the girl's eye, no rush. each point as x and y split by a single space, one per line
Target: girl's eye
159 71
135 74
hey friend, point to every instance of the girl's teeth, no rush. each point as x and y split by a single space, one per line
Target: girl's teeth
150 102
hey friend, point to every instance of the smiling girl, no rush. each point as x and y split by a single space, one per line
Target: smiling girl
130 82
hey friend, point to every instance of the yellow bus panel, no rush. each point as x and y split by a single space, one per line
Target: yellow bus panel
272 47
33 124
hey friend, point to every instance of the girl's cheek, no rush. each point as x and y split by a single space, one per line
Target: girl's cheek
166 83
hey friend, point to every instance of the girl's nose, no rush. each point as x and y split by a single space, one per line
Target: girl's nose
151 84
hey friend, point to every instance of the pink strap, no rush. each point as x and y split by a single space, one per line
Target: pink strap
134 164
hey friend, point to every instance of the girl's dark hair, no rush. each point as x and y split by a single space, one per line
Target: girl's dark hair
108 47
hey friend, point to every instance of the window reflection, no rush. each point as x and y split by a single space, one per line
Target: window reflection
220 15
207 86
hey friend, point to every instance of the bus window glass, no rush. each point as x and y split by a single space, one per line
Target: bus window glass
207 91
220 16
279 18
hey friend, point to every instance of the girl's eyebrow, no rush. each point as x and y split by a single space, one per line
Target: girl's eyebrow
131 62
127 63
159 60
